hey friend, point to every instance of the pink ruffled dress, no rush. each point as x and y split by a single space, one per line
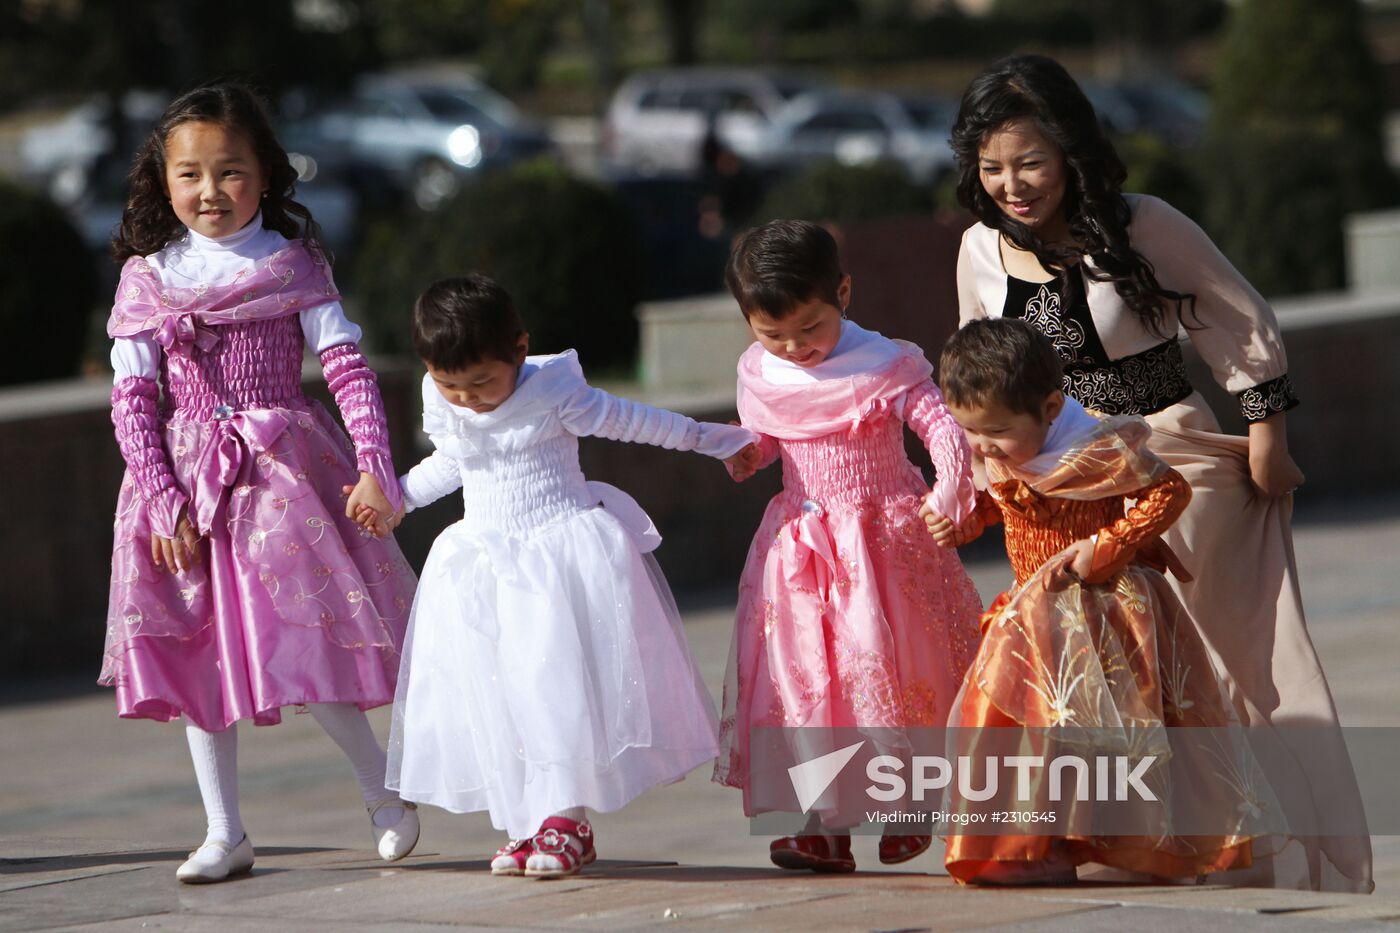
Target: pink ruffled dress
289 603
849 614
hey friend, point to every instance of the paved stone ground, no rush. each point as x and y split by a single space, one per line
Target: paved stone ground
96 813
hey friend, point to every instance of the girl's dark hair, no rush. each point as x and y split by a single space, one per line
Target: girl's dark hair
1039 89
999 361
462 321
783 264
148 221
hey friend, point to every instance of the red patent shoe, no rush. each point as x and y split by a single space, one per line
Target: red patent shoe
897 849
825 854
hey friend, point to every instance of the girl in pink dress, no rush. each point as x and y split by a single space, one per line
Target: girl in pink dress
239 584
849 614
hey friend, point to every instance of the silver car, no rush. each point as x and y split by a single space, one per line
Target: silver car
423 134
657 121
860 127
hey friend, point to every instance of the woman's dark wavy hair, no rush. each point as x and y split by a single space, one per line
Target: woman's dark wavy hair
148 221
1039 89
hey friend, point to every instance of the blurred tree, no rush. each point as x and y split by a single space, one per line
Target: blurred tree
565 249
48 305
1295 141
842 193
682 18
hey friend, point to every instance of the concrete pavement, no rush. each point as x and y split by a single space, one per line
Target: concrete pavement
96 813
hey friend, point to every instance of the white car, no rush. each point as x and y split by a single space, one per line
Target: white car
857 128
657 120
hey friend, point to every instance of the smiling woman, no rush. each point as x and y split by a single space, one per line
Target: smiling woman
1111 279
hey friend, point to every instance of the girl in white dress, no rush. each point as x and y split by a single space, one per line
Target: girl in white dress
545 670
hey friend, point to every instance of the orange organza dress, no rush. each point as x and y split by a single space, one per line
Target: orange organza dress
1112 655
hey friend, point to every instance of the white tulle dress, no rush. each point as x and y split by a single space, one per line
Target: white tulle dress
545 666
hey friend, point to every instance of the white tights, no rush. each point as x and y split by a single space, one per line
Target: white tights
215 757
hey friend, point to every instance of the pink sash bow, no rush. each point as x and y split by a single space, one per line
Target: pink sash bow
221 460
809 551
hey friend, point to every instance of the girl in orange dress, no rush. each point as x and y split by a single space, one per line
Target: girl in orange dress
1091 637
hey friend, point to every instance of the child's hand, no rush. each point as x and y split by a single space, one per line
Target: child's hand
367 495
945 533
1079 558
179 552
744 464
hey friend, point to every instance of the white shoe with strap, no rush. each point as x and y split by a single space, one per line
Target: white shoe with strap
396 841
216 861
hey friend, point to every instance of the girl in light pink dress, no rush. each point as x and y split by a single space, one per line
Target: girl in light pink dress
849 615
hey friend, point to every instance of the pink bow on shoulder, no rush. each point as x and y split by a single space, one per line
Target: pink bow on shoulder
876 409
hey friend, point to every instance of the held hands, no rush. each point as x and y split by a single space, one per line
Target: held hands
945 533
369 520
179 552
369 507
744 463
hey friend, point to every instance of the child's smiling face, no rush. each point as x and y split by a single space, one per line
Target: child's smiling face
807 334
482 386
212 177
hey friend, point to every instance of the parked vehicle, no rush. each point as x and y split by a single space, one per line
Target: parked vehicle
658 120
858 127
420 135
1164 107
72 156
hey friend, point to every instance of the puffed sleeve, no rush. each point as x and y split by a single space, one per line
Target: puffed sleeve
1231 325
135 357
969 302
326 326
438 474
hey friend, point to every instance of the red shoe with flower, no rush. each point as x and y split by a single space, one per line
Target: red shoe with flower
510 858
825 854
561 848
896 849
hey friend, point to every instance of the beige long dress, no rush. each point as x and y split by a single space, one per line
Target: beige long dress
1236 543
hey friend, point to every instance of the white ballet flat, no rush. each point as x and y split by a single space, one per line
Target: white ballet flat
395 842
215 861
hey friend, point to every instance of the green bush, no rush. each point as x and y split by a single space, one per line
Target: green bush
565 249
845 193
1159 169
49 292
1295 143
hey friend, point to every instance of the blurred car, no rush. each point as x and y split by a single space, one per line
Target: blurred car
856 128
420 135
71 156
1163 107
657 121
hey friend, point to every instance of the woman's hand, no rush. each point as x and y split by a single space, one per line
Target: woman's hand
179 552
1271 467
